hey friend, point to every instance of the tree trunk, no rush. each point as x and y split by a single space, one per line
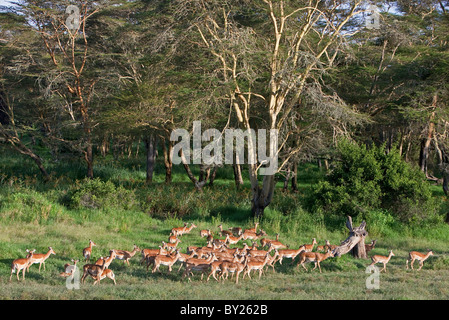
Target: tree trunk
89 157
151 148
212 176
295 177
355 242
237 176
168 161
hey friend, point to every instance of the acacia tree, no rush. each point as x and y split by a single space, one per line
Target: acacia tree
267 67
67 78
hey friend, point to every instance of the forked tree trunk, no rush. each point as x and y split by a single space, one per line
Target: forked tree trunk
355 242
168 161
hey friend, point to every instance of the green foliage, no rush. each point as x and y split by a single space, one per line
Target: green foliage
368 179
98 194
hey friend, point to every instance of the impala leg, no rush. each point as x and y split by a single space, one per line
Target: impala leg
411 264
420 265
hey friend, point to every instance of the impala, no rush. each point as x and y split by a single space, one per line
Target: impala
277 245
107 273
40 258
237 231
266 242
218 266
87 252
414 255
107 261
289 253
205 233
93 270
256 266
309 247
182 230
69 269
21 264
233 267
171 246
201 265
253 229
329 246
370 246
166 260
234 240
126 255
172 238
314 257
152 252
252 235
382 259
224 233
179 231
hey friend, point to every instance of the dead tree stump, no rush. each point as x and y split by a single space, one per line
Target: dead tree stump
355 242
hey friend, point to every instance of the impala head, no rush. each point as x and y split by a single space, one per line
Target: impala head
193 225
429 252
93 244
391 252
30 253
137 248
74 261
314 241
51 250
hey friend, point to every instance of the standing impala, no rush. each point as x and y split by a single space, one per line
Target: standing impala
381 259
256 266
87 252
126 255
415 255
21 264
40 258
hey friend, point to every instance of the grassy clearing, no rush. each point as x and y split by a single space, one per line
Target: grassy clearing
34 215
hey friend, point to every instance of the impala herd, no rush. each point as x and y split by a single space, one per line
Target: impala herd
216 259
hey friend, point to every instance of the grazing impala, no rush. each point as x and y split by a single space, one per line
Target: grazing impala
126 255
21 264
40 258
87 252
314 257
381 259
415 255
69 269
93 270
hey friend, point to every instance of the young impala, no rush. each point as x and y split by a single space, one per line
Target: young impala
381 259
87 252
414 255
107 273
289 253
69 269
21 264
166 260
40 258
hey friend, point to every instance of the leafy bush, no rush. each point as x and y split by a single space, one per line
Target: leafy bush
98 194
369 178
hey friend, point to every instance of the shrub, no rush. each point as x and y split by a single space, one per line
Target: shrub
369 178
98 194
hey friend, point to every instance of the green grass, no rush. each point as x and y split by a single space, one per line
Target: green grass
35 215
